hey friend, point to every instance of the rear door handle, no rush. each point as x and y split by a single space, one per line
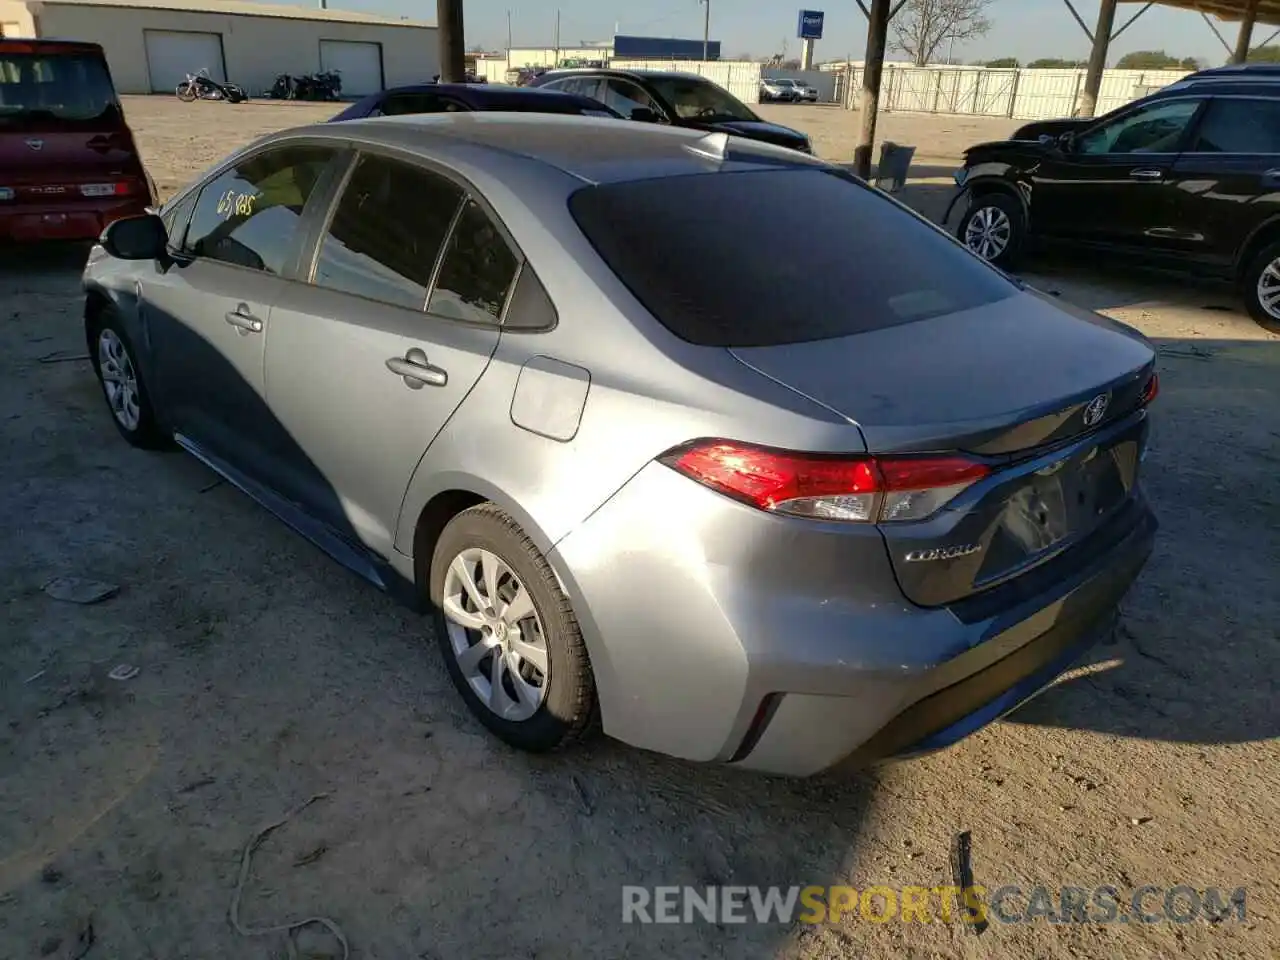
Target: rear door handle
1146 174
417 371
243 320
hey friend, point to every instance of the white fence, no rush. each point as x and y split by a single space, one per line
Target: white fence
983 91
740 78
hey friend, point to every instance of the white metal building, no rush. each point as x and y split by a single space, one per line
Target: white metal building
151 45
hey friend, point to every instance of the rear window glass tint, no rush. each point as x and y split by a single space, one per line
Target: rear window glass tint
704 254
71 86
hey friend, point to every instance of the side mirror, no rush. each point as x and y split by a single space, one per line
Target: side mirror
136 238
644 115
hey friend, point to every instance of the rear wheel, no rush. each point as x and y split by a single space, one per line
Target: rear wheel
1260 287
508 633
994 228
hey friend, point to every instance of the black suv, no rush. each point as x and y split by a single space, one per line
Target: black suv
680 99
1187 178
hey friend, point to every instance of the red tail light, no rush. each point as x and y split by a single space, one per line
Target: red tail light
823 487
1151 390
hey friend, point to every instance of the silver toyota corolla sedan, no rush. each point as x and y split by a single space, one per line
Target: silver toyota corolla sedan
547 377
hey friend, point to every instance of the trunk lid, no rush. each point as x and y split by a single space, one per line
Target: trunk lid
1050 398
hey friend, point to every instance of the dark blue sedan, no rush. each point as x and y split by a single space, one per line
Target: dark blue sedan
456 97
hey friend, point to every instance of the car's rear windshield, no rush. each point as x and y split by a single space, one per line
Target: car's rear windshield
71 86
768 257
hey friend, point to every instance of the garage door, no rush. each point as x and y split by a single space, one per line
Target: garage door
171 55
360 65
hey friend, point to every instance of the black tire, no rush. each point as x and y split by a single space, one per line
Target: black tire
1251 279
996 206
567 709
146 433
186 92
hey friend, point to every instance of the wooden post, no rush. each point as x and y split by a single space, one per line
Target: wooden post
937 93
869 98
453 66
1098 58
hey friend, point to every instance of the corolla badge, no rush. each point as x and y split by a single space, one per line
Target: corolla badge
35 144
942 553
1096 409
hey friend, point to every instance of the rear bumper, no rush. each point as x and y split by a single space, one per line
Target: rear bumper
717 634
77 220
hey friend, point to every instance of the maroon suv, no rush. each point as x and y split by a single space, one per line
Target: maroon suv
68 164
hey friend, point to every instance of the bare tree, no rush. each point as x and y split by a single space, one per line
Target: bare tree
922 26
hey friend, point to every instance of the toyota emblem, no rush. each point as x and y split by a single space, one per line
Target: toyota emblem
1096 409
36 145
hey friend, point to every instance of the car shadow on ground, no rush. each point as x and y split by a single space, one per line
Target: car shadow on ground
1197 655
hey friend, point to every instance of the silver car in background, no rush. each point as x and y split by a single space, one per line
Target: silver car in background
800 91
548 379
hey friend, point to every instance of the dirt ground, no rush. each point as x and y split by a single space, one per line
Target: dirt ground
267 674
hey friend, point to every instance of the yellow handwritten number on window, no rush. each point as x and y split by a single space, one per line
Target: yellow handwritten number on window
233 204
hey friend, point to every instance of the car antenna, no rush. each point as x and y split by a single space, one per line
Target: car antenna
713 145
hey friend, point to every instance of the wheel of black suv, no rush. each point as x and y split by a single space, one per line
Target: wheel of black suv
508 634
1260 287
113 359
994 228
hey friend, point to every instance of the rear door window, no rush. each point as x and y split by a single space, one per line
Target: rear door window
71 88
1239 126
702 254
249 215
387 232
477 271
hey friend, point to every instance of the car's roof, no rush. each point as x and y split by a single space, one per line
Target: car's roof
476 91
1236 69
39 42
593 150
1221 86
631 74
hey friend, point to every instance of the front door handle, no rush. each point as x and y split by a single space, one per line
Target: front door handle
244 321
1271 178
1147 174
417 371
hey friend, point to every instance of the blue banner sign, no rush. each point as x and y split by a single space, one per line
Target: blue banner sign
810 25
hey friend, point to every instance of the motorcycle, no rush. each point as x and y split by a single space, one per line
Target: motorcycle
200 86
317 86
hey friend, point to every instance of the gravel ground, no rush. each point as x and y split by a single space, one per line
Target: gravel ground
267 674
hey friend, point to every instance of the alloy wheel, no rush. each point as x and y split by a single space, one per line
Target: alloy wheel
496 634
119 380
988 232
1269 289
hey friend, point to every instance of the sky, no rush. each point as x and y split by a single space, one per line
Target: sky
1026 29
